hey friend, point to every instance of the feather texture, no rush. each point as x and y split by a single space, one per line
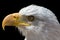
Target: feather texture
46 25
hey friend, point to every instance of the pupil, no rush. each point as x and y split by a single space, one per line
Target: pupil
31 18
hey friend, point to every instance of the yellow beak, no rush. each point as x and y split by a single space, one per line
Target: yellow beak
14 19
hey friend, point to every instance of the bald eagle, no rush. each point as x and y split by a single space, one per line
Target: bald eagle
35 22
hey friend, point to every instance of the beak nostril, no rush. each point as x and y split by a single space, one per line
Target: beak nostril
14 16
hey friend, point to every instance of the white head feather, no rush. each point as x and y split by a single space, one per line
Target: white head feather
45 18
39 11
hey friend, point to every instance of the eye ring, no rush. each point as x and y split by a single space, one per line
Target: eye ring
30 18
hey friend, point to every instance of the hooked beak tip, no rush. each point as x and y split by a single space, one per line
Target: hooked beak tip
3 26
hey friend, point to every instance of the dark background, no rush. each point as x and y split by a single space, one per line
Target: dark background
12 6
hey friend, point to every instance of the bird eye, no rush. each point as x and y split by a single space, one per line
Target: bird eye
30 18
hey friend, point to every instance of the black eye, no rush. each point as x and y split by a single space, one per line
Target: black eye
30 18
